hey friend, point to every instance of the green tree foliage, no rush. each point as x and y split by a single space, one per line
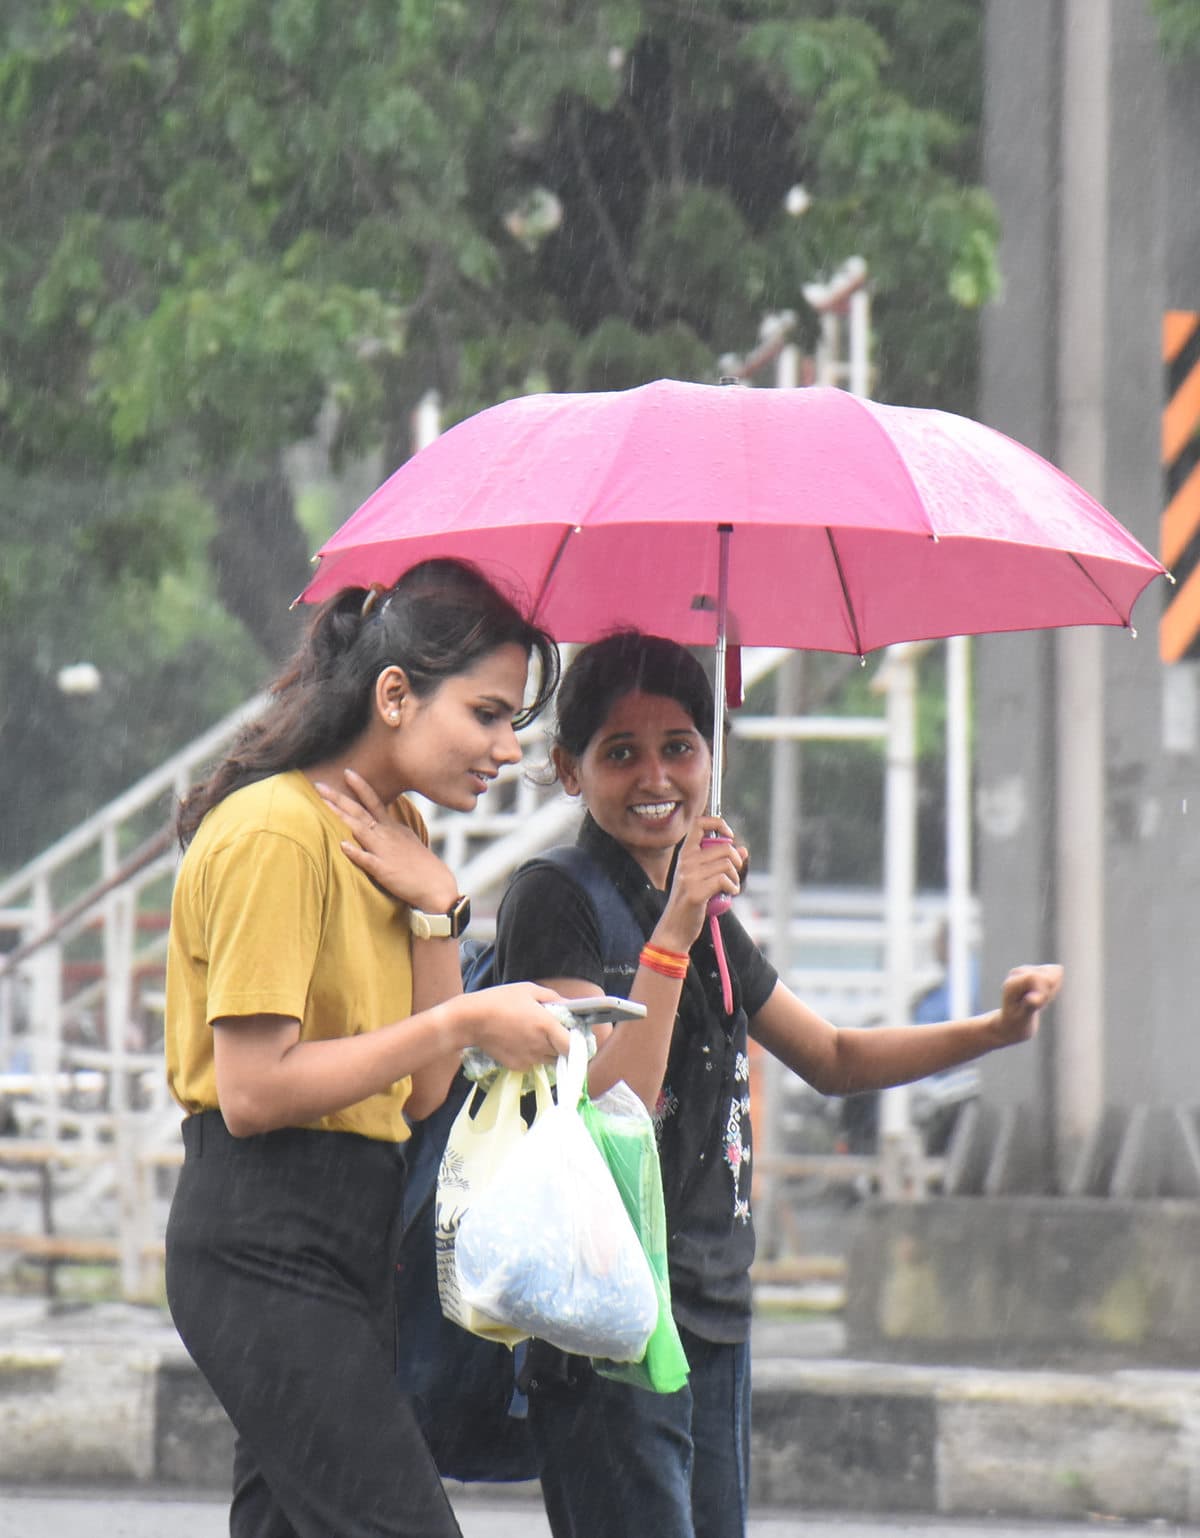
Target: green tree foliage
227 222
1178 26
223 214
120 582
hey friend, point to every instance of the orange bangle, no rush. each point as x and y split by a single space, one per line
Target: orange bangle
665 963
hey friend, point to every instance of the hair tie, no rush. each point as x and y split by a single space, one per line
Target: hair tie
371 599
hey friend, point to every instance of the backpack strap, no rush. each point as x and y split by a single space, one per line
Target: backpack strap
621 937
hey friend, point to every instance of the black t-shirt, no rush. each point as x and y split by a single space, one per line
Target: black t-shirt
546 928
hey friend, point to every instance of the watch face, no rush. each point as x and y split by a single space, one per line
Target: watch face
460 916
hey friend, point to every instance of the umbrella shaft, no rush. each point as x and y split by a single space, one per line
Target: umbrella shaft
719 660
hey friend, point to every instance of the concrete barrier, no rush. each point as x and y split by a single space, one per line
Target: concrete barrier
110 1395
1026 1280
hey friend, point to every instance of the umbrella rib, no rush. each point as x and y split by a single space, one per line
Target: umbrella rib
837 561
1123 618
544 590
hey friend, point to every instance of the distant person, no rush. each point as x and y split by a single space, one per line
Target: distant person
310 1009
634 723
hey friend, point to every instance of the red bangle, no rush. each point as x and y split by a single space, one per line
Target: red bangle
665 963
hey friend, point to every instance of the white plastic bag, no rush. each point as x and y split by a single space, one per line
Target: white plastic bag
548 1248
475 1150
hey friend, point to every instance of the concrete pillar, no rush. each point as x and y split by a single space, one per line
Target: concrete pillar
1088 782
1014 801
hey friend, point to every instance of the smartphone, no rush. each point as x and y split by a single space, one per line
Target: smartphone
605 1011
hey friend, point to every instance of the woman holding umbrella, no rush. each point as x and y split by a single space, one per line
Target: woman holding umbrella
634 719
309 1011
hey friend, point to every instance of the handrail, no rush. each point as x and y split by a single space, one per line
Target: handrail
164 778
146 852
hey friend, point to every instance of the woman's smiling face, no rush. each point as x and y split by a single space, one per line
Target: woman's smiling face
644 777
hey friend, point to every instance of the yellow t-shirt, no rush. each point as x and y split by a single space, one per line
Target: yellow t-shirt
270 917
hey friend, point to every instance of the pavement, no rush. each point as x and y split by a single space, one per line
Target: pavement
105 1394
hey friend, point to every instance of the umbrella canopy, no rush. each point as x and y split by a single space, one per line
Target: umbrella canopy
849 525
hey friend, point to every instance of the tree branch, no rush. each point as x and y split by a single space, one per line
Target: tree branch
609 240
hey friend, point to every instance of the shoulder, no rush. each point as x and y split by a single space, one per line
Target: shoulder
271 811
405 812
547 927
541 883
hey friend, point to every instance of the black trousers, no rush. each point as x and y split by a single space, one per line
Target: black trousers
280 1283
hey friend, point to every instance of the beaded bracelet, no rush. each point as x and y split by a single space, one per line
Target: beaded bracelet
665 963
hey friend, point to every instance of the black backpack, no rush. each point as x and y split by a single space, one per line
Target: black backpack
464 1388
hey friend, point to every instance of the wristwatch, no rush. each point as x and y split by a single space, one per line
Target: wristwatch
441 926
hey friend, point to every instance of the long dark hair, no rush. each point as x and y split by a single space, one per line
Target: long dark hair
438 620
625 662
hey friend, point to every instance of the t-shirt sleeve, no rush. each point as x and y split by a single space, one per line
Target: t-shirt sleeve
546 927
263 912
754 972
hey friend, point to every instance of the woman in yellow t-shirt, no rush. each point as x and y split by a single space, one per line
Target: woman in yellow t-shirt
310 1012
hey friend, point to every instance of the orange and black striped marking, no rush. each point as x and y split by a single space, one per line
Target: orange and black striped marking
1179 630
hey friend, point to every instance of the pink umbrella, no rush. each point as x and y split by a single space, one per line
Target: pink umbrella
807 518
852 525
804 518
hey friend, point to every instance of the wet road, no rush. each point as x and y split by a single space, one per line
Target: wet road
101 1514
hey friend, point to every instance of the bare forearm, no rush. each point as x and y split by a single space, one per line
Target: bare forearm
437 976
877 1057
261 1088
637 1050
436 971
881 1056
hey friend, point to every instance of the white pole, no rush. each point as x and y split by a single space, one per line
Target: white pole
118 998
897 1148
785 819
45 1006
426 421
1080 746
787 367
785 814
860 342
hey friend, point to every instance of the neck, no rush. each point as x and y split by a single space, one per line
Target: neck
657 866
359 757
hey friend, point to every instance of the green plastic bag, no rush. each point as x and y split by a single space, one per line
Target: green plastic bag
621 1127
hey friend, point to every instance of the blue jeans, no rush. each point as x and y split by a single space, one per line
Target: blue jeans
616 1460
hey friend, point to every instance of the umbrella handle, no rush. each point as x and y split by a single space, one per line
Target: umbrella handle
722 902
717 905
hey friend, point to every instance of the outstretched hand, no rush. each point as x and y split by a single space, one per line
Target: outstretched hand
1026 992
391 854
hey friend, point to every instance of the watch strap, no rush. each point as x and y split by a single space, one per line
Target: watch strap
441 926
